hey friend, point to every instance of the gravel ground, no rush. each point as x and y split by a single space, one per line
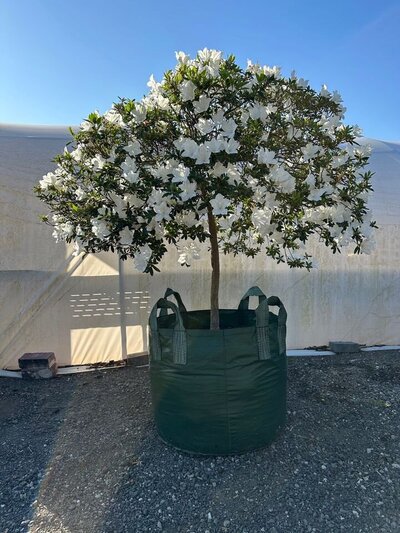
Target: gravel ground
79 454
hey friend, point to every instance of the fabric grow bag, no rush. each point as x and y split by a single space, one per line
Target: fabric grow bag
223 391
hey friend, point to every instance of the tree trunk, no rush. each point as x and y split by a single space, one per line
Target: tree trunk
214 321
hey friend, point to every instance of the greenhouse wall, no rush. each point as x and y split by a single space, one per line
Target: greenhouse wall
52 301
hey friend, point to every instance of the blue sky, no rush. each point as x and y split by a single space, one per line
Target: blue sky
59 60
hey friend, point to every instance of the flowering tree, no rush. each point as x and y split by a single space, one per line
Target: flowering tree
245 159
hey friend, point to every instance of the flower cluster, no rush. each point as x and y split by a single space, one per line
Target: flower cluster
269 155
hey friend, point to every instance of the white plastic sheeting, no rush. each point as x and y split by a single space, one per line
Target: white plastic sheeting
51 301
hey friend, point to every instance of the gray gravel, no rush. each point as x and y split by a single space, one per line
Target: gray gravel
79 454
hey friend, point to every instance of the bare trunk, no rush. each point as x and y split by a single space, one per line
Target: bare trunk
214 322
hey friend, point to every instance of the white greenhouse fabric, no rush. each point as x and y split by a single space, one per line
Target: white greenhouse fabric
51 301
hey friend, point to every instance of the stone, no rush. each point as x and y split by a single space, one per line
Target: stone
38 365
344 346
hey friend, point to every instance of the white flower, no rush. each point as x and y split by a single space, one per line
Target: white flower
341 213
266 157
187 90
324 176
51 178
77 154
182 58
301 82
133 200
228 127
209 61
130 170
126 236
163 211
187 253
100 229
164 171
318 214
78 247
215 145
154 86
339 160
98 162
324 91
218 169
271 109
119 206
202 104
212 70
310 180
139 113
80 194
233 174
265 136
133 148
231 146
203 155
283 178
141 258
258 111
188 249
157 227
188 147
310 151
156 197
254 68
364 195
114 117
214 56
261 219
205 126
366 229
161 101
218 117
336 97
362 151
102 211
220 204
329 123
66 229
187 219
79 231
272 71
180 173
316 194
85 125
131 176
189 190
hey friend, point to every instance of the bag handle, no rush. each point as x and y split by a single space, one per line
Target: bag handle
262 321
282 318
253 291
181 306
179 346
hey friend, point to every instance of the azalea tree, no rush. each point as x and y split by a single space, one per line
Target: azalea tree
242 158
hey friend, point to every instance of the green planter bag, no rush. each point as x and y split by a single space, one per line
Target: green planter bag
221 391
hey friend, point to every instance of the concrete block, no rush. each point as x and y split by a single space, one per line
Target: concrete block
344 346
41 365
